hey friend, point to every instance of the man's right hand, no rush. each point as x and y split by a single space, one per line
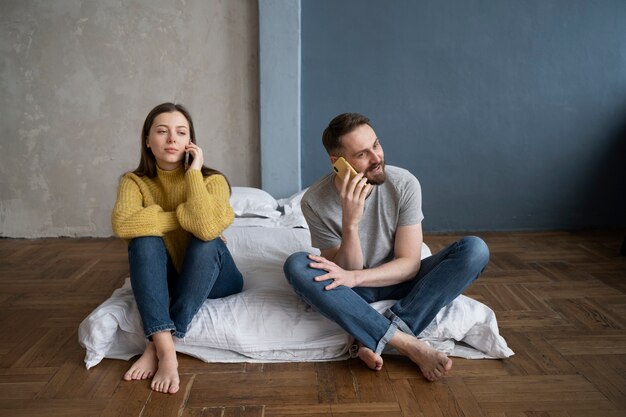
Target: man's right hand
353 193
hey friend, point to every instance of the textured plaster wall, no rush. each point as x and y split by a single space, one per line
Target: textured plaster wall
77 79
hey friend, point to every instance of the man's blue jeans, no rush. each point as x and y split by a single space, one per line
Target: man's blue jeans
168 300
441 278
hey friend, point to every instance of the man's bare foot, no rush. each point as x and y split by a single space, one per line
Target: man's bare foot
432 363
372 359
166 378
145 366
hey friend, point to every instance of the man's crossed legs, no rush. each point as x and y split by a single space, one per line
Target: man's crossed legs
441 278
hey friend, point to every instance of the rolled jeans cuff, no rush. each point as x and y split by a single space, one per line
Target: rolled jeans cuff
178 335
156 329
398 322
386 338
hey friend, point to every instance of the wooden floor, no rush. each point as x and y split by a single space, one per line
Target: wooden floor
559 298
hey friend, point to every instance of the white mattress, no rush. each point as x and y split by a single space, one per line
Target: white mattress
267 322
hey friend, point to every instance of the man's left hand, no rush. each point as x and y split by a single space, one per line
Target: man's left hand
338 275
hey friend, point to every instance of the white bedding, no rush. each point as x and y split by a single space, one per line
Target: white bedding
266 322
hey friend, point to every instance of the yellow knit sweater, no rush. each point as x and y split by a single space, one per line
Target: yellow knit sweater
174 205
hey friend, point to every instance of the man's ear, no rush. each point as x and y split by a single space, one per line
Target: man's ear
333 159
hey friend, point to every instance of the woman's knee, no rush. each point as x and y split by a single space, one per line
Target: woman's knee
206 248
147 248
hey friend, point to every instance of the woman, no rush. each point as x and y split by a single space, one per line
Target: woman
173 215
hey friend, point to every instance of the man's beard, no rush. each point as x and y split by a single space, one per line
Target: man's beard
376 179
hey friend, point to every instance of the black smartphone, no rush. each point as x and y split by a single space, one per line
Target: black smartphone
188 159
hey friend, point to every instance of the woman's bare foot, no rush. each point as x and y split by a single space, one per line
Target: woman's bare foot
372 359
431 362
145 366
166 378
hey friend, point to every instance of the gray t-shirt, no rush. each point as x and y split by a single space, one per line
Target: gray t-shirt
397 202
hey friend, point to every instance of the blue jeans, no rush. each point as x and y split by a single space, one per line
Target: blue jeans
441 278
168 300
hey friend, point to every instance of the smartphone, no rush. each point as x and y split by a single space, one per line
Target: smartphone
343 168
188 159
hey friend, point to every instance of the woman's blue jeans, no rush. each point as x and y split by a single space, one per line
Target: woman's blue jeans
168 300
441 278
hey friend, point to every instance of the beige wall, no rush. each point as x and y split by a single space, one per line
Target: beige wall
77 80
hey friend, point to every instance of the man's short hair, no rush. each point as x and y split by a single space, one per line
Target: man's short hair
339 126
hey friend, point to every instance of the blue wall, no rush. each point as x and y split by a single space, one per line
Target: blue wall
511 113
279 94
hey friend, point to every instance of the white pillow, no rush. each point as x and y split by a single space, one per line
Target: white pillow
292 204
253 202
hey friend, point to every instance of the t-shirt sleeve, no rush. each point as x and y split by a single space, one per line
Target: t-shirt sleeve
410 202
322 237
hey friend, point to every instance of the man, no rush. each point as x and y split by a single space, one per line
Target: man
369 232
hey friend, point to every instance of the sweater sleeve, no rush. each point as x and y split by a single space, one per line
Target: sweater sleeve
130 218
206 211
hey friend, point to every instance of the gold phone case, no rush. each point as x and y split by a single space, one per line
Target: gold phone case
342 167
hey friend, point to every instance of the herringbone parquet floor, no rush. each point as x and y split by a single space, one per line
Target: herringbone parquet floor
559 298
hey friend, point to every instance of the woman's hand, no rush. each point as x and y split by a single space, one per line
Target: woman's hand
196 153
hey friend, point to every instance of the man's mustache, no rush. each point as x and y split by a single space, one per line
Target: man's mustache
373 167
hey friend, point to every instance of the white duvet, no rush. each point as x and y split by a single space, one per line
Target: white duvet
267 322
